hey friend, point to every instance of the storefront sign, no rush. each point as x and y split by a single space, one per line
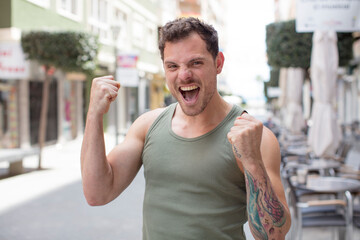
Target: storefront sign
126 71
12 62
325 15
273 92
127 60
128 77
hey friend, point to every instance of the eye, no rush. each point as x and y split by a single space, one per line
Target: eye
197 63
171 66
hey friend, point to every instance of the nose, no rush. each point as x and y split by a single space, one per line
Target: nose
185 74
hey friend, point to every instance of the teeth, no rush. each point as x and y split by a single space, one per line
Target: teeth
190 88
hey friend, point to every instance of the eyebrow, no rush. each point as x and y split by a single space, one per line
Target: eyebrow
191 60
197 59
169 62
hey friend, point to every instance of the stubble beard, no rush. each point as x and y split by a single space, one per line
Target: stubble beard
194 111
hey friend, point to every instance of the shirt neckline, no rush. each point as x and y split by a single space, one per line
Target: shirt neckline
172 133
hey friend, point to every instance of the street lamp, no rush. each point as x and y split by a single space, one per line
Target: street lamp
115 29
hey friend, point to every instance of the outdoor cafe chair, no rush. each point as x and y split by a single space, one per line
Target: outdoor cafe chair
310 209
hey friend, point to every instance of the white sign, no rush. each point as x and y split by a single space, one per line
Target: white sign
126 71
326 15
273 92
128 77
12 62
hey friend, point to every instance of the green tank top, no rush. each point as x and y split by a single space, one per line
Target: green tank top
194 188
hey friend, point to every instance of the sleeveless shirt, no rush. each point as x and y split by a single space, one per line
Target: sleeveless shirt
194 187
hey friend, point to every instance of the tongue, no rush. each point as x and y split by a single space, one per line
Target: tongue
190 95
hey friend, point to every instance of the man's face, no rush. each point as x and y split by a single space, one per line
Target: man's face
191 72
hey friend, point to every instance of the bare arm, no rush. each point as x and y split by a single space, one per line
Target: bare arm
258 154
105 177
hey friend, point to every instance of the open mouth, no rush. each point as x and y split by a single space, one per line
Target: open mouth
189 93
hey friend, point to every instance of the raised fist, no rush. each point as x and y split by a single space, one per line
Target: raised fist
245 137
104 90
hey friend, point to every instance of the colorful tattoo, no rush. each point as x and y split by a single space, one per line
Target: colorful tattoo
252 207
274 208
263 201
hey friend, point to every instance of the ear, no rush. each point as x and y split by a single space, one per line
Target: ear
219 62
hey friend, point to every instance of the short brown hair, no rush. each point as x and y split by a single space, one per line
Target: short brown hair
183 27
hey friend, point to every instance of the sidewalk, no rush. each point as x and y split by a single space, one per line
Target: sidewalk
49 204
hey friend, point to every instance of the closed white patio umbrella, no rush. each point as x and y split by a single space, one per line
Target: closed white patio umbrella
282 98
294 119
324 134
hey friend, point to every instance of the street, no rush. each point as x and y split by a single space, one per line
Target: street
49 204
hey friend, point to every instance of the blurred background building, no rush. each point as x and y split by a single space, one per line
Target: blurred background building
124 28
127 32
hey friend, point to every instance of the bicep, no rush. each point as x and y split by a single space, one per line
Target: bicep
270 152
125 158
125 161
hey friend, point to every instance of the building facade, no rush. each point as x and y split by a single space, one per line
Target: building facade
20 94
21 91
127 31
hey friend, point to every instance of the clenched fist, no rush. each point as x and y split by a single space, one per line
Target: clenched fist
104 90
245 137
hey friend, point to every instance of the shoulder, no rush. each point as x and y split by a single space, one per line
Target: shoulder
149 117
237 109
144 122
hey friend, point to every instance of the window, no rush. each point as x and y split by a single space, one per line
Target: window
121 19
151 37
138 31
8 115
70 8
41 3
99 20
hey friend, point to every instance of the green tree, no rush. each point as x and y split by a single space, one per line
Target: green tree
68 51
287 48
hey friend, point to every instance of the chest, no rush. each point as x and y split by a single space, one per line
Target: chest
207 163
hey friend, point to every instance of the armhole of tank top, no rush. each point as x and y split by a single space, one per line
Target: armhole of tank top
157 120
240 110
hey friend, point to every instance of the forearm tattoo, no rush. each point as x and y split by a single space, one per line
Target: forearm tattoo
238 155
265 211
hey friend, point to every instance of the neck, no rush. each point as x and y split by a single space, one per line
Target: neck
216 108
193 126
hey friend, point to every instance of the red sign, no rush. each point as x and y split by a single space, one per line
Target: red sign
12 61
127 60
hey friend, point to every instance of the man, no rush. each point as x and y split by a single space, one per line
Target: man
209 166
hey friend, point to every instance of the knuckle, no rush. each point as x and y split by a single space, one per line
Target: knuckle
96 80
259 124
247 131
103 88
229 135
